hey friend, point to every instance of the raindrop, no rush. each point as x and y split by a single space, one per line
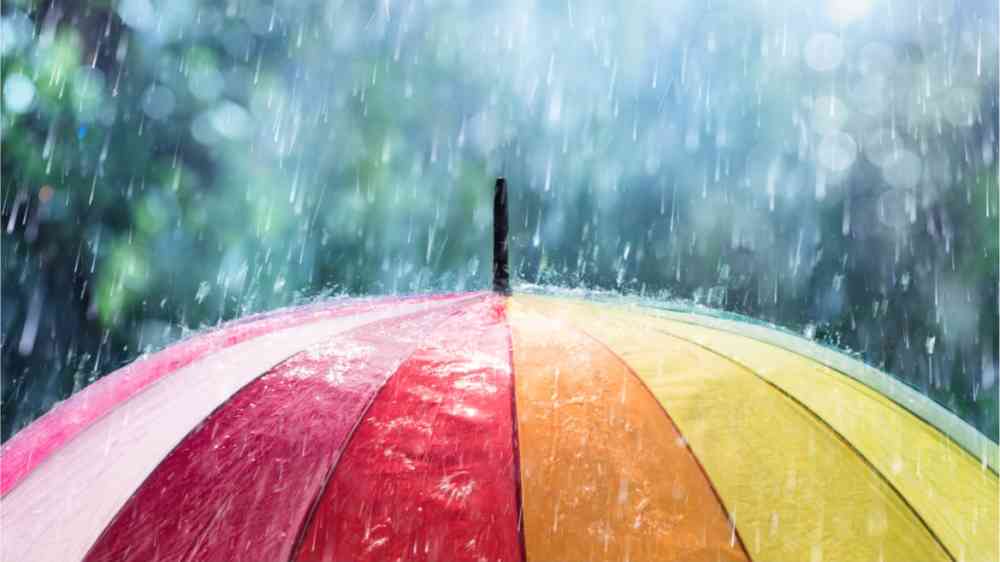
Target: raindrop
139 14
897 208
824 52
206 83
844 12
16 31
18 93
203 290
231 121
158 102
30 331
902 170
829 113
880 146
959 106
555 106
836 151
810 331
876 58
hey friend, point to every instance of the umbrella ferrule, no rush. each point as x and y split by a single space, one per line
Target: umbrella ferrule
501 267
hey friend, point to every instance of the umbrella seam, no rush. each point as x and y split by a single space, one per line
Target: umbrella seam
221 405
311 513
515 438
181 442
114 407
990 459
663 409
964 437
840 437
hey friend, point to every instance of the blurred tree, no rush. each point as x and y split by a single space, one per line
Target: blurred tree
170 165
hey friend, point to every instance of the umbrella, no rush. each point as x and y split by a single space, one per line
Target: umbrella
498 426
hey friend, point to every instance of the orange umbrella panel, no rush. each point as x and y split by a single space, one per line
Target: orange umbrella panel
605 473
485 427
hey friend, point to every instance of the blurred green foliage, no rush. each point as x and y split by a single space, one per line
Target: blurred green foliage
170 165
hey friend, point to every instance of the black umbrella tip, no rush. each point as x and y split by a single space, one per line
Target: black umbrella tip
501 267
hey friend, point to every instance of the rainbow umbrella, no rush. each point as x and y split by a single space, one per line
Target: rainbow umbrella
484 426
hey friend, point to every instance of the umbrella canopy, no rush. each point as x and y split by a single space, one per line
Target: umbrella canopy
485 427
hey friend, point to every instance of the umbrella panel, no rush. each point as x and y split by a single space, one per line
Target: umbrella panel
430 473
244 480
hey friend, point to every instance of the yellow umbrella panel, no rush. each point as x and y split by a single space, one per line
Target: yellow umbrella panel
646 435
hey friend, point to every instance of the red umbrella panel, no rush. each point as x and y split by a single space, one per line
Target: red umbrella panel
36 442
485 427
105 446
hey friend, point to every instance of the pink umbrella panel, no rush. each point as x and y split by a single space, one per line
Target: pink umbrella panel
480 426
252 475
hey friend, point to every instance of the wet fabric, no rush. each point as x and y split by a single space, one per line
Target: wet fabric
482 428
86 482
243 482
605 474
795 488
430 473
906 400
35 443
952 490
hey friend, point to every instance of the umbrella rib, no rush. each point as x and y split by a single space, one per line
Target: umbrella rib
191 550
98 391
687 445
193 547
840 437
314 505
515 439
962 443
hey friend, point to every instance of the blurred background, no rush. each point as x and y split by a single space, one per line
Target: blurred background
826 165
